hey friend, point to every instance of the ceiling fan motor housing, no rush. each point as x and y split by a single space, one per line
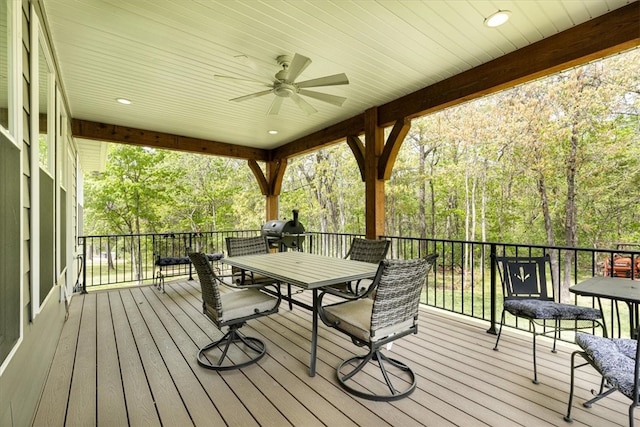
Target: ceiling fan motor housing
284 89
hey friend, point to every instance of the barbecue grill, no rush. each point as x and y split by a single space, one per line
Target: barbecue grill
283 234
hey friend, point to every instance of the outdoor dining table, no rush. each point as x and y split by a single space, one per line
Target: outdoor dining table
615 289
308 272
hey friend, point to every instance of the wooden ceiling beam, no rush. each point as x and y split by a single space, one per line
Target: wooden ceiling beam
613 32
321 138
148 138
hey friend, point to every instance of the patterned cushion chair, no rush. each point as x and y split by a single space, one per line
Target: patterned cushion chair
528 295
616 360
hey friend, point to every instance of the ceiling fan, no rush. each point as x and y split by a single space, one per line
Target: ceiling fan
283 85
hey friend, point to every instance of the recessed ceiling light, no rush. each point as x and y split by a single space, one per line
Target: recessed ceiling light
497 19
124 101
273 132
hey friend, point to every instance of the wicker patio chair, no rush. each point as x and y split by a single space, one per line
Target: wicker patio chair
365 250
375 323
527 295
616 360
239 246
231 309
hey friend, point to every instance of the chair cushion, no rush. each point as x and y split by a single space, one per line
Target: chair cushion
541 309
215 257
173 261
185 260
614 359
247 302
354 318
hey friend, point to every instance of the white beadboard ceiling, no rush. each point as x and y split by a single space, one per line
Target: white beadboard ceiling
163 54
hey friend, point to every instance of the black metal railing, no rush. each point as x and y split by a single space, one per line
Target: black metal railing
464 279
131 259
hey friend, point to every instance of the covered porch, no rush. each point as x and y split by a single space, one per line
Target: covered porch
127 357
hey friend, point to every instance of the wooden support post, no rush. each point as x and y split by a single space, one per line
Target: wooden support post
374 187
270 185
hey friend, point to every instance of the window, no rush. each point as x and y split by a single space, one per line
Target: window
6 110
44 138
47 191
10 203
10 211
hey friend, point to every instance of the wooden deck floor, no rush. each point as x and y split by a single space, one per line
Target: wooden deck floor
127 357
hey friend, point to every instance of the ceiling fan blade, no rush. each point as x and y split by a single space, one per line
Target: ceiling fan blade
252 95
304 105
336 79
331 99
297 66
241 79
251 63
274 108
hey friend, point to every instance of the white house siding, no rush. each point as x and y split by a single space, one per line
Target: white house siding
25 370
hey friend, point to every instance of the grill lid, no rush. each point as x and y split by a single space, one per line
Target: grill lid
284 233
278 228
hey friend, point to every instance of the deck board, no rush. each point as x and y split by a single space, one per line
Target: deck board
82 396
112 409
141 409
53 403
128 357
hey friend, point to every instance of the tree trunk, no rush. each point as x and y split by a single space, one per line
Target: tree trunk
542 191
571 223
110 265
422 194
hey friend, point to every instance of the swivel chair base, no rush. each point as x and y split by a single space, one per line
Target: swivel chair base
407 377
221 348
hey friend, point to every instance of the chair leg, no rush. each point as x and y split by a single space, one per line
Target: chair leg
556 331
535 363
587 404
233 336
598 396
499 331
567 417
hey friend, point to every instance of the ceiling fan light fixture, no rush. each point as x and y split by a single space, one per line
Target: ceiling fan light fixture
498 18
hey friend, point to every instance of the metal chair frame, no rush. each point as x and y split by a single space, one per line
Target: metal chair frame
213 307
239 246
365 250
609 380
524 283
394 314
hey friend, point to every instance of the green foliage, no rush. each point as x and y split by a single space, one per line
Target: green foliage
554 161
129 196
164 191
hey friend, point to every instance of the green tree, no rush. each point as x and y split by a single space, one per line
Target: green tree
129 195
